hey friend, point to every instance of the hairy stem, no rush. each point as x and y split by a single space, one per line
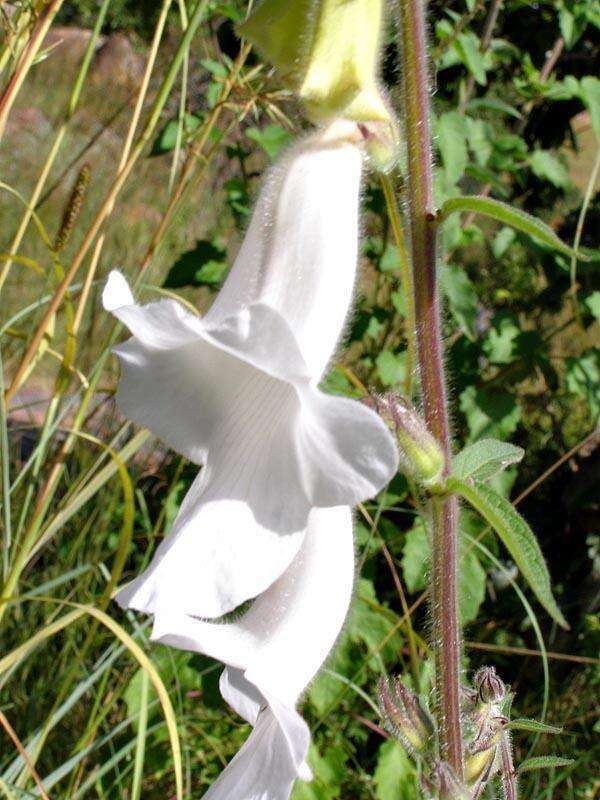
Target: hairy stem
444 511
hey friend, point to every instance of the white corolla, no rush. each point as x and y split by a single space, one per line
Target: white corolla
236 391
268 516
273 651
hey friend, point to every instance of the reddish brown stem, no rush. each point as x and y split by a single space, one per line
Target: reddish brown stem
444 511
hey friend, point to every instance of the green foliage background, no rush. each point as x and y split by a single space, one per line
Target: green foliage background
517 116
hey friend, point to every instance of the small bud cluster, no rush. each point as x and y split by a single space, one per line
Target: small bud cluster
404 715
420 454
487 743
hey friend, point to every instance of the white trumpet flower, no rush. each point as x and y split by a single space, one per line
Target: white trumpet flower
237 390
272 652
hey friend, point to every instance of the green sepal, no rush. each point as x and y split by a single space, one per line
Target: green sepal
326 51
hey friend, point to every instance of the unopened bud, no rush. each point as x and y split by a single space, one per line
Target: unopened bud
420 455
405 717
449 787
327 52
478 765
490 687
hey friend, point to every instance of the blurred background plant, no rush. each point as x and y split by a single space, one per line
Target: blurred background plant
134 136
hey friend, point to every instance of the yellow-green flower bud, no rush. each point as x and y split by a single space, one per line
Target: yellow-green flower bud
479 765
489 686
404 716
420 455
327 52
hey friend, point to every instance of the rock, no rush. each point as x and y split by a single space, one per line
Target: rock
70 42
30 120
117 62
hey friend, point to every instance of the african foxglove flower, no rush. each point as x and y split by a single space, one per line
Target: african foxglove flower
272 652
237 390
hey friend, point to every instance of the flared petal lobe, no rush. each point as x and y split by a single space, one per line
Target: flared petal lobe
237 399
273 651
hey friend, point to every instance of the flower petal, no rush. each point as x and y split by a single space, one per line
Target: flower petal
281 641
274 650
347 453
299 255
216 557
263 769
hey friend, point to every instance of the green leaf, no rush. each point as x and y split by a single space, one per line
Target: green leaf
171 665
471 583
489 413
467 48
415 557
493 104
517 537
370 622
395 776
508 215
471 575
452 141
484 458
583 377
544 762
329 770
532 725
480 135
272 139
573 22
326 689
461 297
592 304
391 367
167 138
589 90
204 265
214 67
390 260
548 167
500 341
502 241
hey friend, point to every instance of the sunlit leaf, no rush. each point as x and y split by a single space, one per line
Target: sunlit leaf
395 775
517 537
548 167
461 297
544 762
484 458
532 725
272 139
508 215
489 413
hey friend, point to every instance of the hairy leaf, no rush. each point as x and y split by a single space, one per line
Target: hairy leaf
517 537
532 725
544 762
484 458
508 215
395 776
